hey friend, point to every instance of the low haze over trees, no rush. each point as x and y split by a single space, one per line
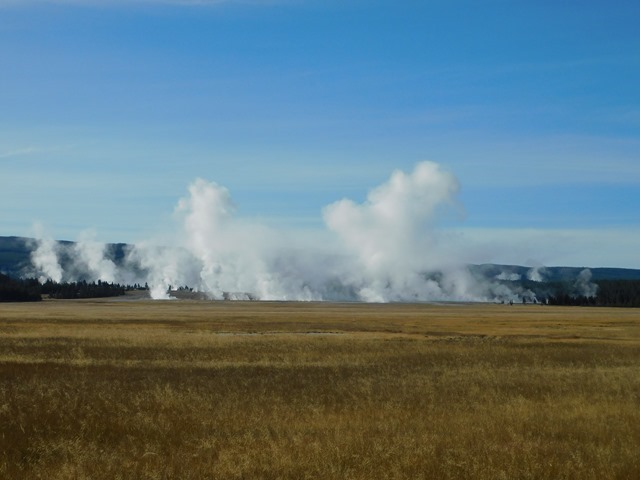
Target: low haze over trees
609 293
617 287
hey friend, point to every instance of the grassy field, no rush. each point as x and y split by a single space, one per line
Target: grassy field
197 390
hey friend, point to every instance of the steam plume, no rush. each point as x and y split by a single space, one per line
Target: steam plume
584 286
90 258
390 236
536 274
45 256
386 248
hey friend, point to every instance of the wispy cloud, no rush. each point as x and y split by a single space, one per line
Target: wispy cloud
103 3
21 152
30 150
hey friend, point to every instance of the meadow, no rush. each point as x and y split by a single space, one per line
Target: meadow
257 390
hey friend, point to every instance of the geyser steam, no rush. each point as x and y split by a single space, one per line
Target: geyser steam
44 257
384 249
391 236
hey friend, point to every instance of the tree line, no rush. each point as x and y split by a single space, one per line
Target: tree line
611 293
31 290
12 290
82 289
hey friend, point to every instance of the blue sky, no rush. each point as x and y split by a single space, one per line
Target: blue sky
109 109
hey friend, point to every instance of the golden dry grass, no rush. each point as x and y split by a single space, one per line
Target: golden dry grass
197 390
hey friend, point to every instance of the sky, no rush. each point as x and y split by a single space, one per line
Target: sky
110 109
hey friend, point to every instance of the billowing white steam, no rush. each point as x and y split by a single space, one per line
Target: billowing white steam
390 237
584 286
84 260
44 257
222 256
90 257
536 274
385 249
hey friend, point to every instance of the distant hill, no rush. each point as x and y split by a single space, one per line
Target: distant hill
15 261
554 274
15 255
